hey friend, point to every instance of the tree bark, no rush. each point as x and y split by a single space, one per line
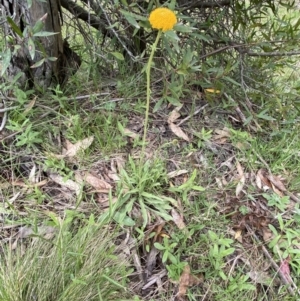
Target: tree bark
52 71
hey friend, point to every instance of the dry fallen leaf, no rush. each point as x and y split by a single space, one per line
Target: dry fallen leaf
178 131
26 185
285 269
267 234
71 185
238 236
266 184
72 149
117 164
178 220
277 181
260 277
242 179
176 173
104 202
221 136
30 105
129 133
277 184
44 231
98 184
219 183
186 280
174 115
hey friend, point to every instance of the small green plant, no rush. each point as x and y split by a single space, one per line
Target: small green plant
173 263
239 283
203 136
57 165
167 249
219 249
189 185
285 242
142 186
175 269
28 137
275 200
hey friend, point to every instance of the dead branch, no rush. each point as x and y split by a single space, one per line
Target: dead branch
275 53
85 16
290 284
184 5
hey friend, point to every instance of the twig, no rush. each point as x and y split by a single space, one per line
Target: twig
291 195
3 122
288 282
8 109
115 33
239 112
138 265
88 96
154 278
4 117
112 100
275 53
190 116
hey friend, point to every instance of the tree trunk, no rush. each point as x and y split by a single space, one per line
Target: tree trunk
39 58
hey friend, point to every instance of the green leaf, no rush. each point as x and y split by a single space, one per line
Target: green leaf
126 13
229 79
123 220
171 35
274 241
198 188
51 58
273 229
144 212
38 26
29 3
164 215
31 48
38 64
201 37
14 27
223 276
173 101
183 28
132 21
227 252
263 115
172 258
118 55
165 256
6 57
44 34
159 246
121 129
158 105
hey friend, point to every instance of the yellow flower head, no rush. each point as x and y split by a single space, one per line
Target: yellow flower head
162 18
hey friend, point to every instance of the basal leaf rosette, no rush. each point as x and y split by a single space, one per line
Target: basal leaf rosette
162 19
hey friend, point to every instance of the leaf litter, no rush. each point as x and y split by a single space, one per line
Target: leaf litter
99 183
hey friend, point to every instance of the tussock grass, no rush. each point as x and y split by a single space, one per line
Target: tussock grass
76 264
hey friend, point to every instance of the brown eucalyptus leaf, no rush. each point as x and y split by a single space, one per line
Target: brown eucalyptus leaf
178 132
72 149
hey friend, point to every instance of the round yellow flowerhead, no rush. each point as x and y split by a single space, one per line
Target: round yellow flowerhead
162 18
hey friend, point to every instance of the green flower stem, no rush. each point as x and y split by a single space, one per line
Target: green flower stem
148 72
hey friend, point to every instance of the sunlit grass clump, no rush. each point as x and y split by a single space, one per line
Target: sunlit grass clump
74 265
